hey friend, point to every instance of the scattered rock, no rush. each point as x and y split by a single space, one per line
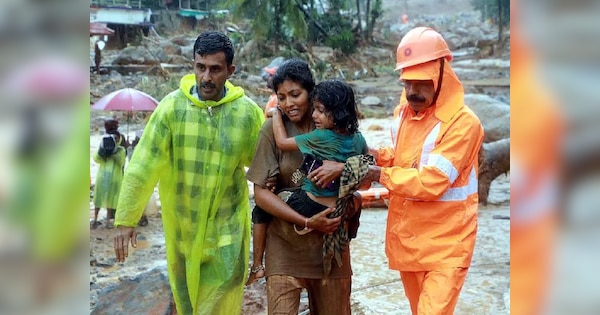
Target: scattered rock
371 101
494 116
494 160
135 55
375 128
323 53
179 60
146 293
183 40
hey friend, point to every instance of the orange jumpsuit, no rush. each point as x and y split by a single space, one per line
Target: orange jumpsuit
271 103
535 162
431 174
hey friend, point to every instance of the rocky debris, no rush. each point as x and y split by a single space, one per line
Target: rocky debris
494 116
179 60
183 40
136 55
371 101
323 53
461 30
146 293
375 128
488 63
494 160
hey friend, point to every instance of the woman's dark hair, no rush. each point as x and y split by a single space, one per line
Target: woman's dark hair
294 70
338 99
212 42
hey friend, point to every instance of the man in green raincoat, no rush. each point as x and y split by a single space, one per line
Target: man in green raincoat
197 142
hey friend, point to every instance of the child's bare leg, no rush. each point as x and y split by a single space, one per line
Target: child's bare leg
259 240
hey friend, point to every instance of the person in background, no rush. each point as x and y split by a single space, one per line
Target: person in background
98 47
111 126
111 160
196 143
272 102
431 173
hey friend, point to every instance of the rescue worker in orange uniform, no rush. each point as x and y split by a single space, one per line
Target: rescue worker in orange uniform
273 101
431 173
535 176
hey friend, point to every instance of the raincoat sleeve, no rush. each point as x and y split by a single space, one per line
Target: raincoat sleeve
451 157
149 159
257 121
385 157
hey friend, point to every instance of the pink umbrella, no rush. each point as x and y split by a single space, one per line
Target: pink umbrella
126 99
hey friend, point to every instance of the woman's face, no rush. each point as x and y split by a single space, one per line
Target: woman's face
294 101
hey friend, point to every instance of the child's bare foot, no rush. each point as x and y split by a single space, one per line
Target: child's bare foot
255 274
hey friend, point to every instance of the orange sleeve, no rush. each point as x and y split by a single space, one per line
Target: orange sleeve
385 157
454 155
271 103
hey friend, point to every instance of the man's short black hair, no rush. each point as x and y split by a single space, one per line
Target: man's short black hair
212 42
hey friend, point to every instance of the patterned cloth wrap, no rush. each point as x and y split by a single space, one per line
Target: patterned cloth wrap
355 170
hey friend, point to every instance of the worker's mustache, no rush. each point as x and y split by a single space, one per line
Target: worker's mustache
207 85
414 98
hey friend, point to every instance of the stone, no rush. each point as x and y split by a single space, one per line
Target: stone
135 55
371 101
494 116
146 293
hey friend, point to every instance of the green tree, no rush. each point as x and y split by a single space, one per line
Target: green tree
372 12
278 20
496 10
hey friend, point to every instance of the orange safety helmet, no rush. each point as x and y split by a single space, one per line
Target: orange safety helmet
420 45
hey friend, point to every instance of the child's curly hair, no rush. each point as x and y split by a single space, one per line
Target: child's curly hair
338 99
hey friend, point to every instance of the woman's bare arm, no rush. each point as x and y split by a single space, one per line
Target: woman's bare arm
281 138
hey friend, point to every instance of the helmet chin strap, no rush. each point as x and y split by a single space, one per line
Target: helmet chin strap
439 85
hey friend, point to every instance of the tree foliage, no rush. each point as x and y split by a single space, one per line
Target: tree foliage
340 24
279 20
496 10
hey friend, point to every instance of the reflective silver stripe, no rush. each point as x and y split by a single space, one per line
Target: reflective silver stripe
429 144
440 162
462 193
395 127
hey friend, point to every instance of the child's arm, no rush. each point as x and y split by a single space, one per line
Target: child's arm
281 138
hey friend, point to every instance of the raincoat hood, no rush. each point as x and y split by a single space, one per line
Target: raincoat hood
189 80
451 97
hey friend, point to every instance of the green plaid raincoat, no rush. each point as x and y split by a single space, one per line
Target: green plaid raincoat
198 150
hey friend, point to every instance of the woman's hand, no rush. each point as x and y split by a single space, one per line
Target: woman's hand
271 183
325 174
322 223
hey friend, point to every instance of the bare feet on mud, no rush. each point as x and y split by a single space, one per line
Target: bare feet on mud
255 274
